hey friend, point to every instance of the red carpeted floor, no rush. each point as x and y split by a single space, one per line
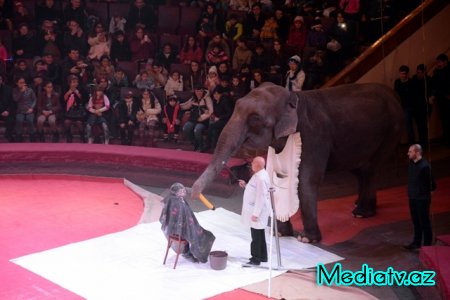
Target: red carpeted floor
336 222
43 212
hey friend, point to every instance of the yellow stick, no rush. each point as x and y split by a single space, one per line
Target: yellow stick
206 202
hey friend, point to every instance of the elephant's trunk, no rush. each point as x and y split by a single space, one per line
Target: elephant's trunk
230 140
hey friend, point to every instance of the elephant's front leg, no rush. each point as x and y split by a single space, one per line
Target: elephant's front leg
310 179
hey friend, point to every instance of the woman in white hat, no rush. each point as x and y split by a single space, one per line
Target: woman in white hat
295 76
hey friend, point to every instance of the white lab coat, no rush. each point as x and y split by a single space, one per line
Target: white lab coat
256 200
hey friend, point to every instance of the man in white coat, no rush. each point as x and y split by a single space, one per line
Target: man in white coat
256 209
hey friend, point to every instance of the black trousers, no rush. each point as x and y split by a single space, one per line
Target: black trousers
258 247
420 215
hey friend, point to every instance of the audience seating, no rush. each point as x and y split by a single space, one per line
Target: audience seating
99 10
129 68
189 17
183 69
173 39
118 9
168 19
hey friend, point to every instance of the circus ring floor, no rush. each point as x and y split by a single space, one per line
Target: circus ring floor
376 241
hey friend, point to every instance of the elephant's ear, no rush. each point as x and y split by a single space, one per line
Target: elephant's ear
287 123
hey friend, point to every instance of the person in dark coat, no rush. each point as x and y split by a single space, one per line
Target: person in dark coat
420 186
7 108
120 47
127 118
178 219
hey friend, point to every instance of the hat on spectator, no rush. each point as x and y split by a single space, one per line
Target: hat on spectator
213 69
296 59
172 97
317 24
129 95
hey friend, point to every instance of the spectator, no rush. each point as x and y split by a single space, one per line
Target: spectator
297 35
421 107
98 106
7 108
216 55
75 38
159 74
117 23
200 108
278 57
120 47
48 108
74 11
147 115
141 15
100 47
47 11
237 90
6 12
254 22
404 88
127 118
350 9
142 47
167 56
242 55
283 24
25 99
218 39
4 56
223 70
143 81
315 70
270 29
295 76
174 83
21 15
49 40
257 79
196 76
343 33
223 108
21 69
74 108
212 79
204 29
104 68
317 38
259 58
24 42
191 51
242 5
233 28
171 118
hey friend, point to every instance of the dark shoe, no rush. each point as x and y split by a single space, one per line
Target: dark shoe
264 260
253 263
411 246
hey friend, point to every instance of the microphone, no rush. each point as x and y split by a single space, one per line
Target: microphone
229 170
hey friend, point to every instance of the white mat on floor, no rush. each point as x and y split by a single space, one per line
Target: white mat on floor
128 264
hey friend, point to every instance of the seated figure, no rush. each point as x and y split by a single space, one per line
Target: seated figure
177 218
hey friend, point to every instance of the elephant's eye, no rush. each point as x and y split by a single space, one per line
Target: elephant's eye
255 123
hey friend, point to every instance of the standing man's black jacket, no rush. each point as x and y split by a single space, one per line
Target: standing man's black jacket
420 180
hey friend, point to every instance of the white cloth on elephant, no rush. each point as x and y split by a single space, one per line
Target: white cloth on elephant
256 200
283 171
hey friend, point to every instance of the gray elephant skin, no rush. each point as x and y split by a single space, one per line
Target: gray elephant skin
351 127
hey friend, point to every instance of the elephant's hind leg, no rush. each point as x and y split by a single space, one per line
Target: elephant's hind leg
367 201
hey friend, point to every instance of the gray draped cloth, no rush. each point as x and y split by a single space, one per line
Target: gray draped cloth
177 218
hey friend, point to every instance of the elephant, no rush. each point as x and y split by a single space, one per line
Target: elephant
352 127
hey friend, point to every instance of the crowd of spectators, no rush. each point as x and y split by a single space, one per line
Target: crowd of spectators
62 66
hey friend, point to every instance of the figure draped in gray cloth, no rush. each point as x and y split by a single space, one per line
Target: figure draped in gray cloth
177 218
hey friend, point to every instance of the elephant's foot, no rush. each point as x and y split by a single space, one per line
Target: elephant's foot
305 238
285 228
362 213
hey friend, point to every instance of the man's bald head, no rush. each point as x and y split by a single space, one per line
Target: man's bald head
258 163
